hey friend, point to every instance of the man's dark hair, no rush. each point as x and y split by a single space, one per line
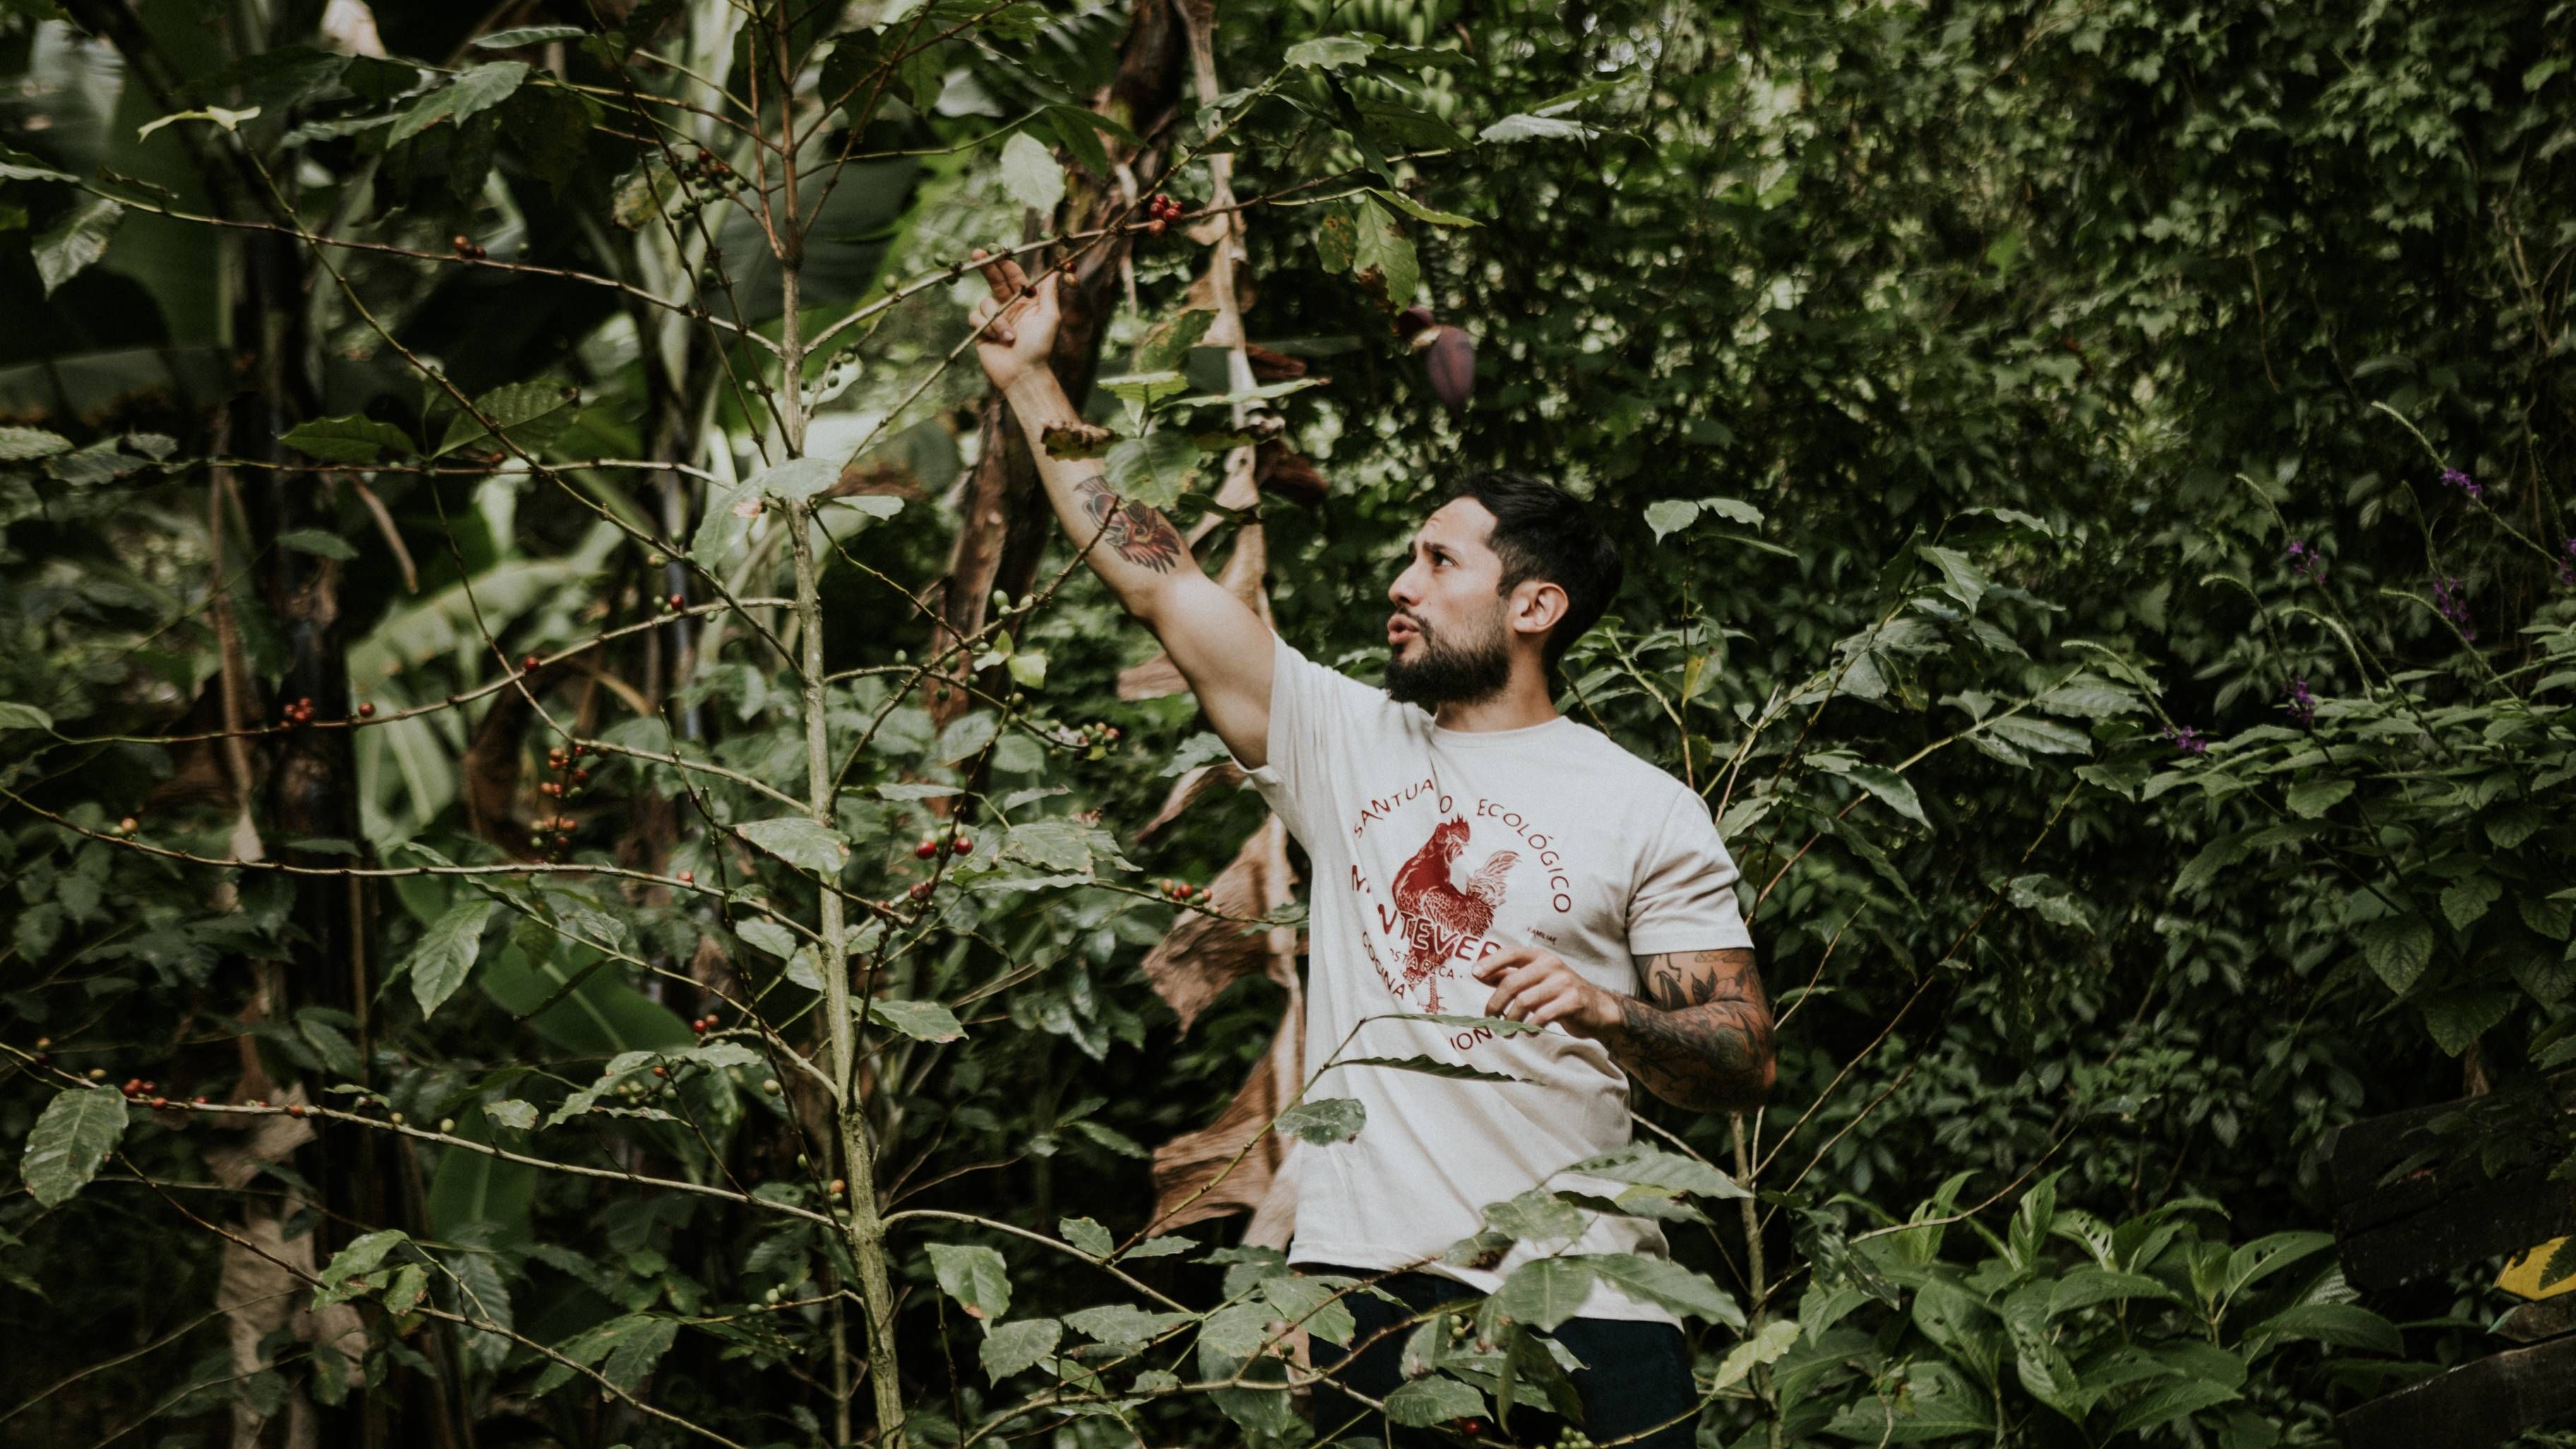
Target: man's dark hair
1543 532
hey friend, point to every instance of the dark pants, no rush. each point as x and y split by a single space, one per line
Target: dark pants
1636 1374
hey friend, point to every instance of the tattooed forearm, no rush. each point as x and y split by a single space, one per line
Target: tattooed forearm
1701 1038
1131 530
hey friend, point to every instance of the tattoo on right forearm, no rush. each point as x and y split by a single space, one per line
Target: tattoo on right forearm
1701 1037
1136 533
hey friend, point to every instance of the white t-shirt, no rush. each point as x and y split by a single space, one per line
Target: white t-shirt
1432 848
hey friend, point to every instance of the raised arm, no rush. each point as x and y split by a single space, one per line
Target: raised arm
1221 647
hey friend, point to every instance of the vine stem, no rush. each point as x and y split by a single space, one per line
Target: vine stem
866 1230
1755 1286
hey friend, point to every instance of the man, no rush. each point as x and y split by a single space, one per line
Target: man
1475 853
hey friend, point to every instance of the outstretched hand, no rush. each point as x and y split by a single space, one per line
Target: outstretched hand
1016 324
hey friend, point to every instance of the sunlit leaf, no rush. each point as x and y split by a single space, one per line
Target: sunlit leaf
73 1135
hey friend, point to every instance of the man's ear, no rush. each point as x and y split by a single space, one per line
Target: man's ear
1537 605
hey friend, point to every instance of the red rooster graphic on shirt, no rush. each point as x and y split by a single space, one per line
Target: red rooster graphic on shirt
1439 916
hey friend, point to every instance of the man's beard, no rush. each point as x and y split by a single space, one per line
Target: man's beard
1446 675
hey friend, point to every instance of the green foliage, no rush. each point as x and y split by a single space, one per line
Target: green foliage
1956 382
2069 1323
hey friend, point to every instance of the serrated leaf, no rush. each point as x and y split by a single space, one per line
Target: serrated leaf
1152 471
2344 1325
1647 1165
79 239
1123 1323
1089 1236
799 842
2398 949
16 165
2311 798
1331 52
2457 1018
69 1141
2173 1401
229 120
527 35
1537 1215
511 1112
1314 1303
1663 1281
795 479
19 444
1416 209
343 1278
1891 788
768 937
1331 1119
1670 515
1545 1292
1498 1025
641 193
625 1349
1013 1347
975 1276
2090 696
1031 174
1336 242
1526 127
1429 1067
1436 1399
1379 245
347 439
1167 347
1764 1347
920 1020
314 541
529 414
2039 736
445 953
2466 900
1057 845
1960 579
471 93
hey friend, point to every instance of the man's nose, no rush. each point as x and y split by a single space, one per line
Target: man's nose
1402 592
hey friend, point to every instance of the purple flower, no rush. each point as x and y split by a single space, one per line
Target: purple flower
2567 565
2302 705
2188 740
2466 484
2451 600
2307 565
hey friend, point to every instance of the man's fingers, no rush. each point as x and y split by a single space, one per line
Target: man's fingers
1501 961
1536 1004
1524 980
1001 273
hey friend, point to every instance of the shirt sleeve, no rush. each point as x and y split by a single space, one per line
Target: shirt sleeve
1314 714
1685 894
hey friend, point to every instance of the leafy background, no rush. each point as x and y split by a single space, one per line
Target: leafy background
2093 477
